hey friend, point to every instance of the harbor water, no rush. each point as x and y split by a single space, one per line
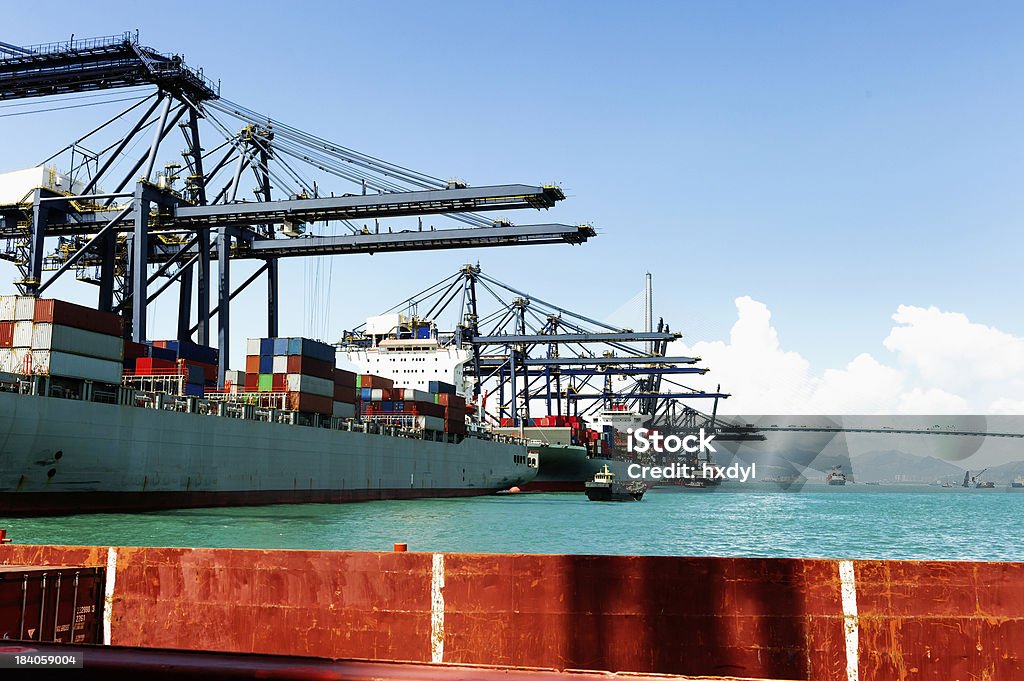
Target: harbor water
856 521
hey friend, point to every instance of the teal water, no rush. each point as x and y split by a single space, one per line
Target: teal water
850 522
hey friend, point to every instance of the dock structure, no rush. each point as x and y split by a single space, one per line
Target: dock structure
134 228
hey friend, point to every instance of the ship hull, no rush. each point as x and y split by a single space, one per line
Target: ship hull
567 468
66 456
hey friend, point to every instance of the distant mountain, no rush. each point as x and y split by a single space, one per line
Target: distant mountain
895 466
1004 474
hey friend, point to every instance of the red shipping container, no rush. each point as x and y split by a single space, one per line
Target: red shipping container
345 394
252 382
134 350
371 381
148 366
252 364
345 378
310 366
280 383
6 334
459 402
77 316
317 404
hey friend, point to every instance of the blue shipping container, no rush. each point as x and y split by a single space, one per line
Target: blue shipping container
193 351
311 348
162 353
386 406
193 390
423 332
281 346
441 388
266 346
266 364
366 394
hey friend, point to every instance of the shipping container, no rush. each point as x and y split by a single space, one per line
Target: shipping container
430 423
345 378
344 410
234 377
252 364
280 346
153 365
310 348
310 384
61 338
252 383
441 387
16 360
7 306
265 384
310 366
252 346
61 604
75 366
280 364
266 347
371 381
422 332
6 334
162 353
69 314
25 309
22 335
193 351
266 364
193 390
344 394
316 404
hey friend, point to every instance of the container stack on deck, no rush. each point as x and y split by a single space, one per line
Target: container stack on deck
440 409
301 367
53 337
195 364
345 394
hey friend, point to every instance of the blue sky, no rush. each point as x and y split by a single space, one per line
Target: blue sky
830 160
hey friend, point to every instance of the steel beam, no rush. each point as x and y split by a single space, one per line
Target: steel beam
628 396
419 241
224 302
139 262
37 241
544 339
397 204
585 362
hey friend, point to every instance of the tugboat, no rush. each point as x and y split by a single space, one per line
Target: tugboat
604 487
836 476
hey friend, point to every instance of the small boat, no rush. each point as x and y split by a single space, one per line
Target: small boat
604 487
836 476
947 485
1018 482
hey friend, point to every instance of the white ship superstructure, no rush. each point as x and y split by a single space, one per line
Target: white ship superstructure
407 351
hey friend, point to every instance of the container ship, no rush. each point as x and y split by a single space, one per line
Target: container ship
90 422
567 450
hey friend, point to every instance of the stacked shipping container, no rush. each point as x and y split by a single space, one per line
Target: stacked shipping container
56 338
439 410
301 367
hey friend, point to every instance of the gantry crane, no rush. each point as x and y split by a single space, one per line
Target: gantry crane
124 224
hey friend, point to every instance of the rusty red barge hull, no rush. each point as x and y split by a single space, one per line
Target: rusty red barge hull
739 617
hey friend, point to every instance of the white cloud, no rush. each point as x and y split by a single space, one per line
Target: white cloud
937 363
